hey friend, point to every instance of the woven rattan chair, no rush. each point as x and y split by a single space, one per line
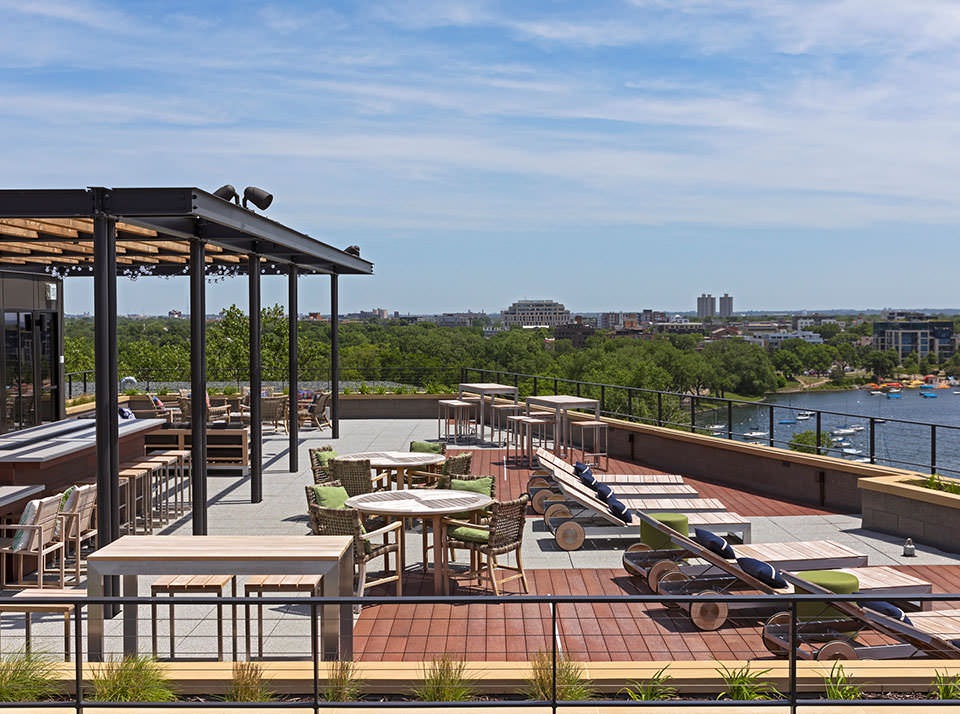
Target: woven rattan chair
504 534
316 412
347 521
214 414
356 477
458 465
319 463
432 477
483 517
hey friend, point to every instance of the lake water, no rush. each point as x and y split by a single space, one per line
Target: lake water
895 442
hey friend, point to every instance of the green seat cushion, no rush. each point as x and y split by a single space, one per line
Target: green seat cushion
469 535
657 540
330 496
425 447
483 486
836 581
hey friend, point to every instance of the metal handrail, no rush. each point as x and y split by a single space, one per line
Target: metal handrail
692 409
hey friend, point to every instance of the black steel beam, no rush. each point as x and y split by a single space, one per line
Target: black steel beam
198 386
48 203
293 368
334 358
256 385
107 424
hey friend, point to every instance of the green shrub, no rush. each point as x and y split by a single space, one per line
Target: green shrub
27 678
743 685
653 689
132 679
839 685
343 683
571 684
445 680
945 686
248 684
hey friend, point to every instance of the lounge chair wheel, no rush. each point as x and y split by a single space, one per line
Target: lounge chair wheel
539 500
638 548
776 633
708 615
658 570
569 535
836 649
555 510
672 584
537 482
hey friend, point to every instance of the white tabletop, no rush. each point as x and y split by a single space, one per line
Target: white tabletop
491 387
419 502
562 401
217 549
394 459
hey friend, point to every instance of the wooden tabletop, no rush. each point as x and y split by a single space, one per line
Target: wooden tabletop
419 502
220 548
562 401
486 387
394 459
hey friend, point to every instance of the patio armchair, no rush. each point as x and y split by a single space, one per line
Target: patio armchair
316 412
356 476
34 537
214 414
79 524
320 463
275 410
348 522
486 485
502 535
431 477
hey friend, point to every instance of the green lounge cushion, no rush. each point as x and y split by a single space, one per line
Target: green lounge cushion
469 535
425 447
325 457
331 496
659 541
836 581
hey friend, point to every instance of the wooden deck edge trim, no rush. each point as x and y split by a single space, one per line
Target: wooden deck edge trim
693 677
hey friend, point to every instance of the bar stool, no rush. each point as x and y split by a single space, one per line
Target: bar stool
162 479
137 478
194 585
183 496
260 584
471 417
447 415
522 433
498 419
546 433
600 442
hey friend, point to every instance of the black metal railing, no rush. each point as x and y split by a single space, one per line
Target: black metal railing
554 626
919 446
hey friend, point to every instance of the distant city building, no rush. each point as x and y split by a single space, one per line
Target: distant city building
903 315
914 336
375 314
774 340
706 306
577 332
176 314
456 319
726 305
802 322
651 316
535 313
681 327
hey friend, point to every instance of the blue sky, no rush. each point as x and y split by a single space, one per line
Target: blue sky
610 154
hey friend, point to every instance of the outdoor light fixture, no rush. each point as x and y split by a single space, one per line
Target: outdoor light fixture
352 250
228 193
258 197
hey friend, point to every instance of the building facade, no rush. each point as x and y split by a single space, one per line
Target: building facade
706 306
726 305
915 337
535 313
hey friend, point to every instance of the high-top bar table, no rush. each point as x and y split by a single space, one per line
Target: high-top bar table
132 556
562 404
483 389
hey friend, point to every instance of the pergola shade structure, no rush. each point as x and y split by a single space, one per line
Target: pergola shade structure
106 232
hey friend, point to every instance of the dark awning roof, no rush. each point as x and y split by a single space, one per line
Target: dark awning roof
52 230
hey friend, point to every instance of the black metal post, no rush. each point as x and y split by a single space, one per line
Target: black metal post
629 403
933 448
293 458
793 656
771 425
256 383
553 640
198 384
603 398
819 440
106 376
729 419
659 408
556 387
334 357
873 440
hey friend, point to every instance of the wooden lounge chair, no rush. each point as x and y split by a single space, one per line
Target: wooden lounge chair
664 573
80 525
931 634
33 537
577 512
316 412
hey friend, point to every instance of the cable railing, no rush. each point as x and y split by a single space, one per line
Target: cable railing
805 635
919 446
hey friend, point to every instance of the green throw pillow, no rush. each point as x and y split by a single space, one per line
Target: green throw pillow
482 486
325 457
425 447
330 496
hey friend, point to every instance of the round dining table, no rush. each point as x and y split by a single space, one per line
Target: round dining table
396 461
429 504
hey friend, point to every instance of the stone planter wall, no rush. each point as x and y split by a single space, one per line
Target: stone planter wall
893 505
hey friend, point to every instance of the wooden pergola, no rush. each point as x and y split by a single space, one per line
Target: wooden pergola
111 232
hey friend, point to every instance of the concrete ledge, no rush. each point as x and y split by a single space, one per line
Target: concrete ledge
898 506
